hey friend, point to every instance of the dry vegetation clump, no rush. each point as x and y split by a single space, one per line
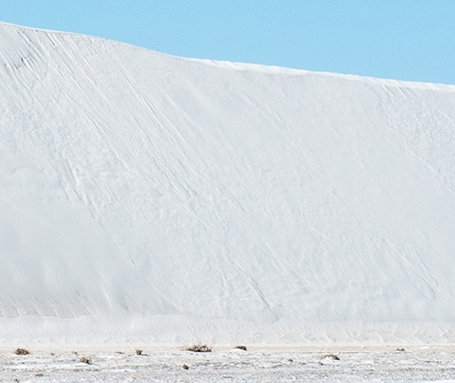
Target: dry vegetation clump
85 360
199 348
401 349
241 348
185 367
138 352
330 356
21 351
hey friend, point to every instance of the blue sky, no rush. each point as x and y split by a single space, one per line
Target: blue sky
401 39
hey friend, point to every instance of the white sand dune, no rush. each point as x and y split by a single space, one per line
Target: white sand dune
154 198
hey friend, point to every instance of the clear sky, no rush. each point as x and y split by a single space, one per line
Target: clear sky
400 39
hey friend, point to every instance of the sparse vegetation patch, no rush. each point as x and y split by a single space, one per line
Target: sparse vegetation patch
85 360
21 351
241 348
199 348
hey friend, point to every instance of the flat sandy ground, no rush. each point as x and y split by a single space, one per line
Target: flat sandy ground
316 364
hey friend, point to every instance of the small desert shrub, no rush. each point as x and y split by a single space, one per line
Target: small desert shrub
330 356
138 352
21 351
199 348
241 348
85 360
39 374
401 349
185 367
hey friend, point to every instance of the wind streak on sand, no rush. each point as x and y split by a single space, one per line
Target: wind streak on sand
144 196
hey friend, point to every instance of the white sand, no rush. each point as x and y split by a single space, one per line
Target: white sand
354 365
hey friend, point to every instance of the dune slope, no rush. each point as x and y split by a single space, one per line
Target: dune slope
144 195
